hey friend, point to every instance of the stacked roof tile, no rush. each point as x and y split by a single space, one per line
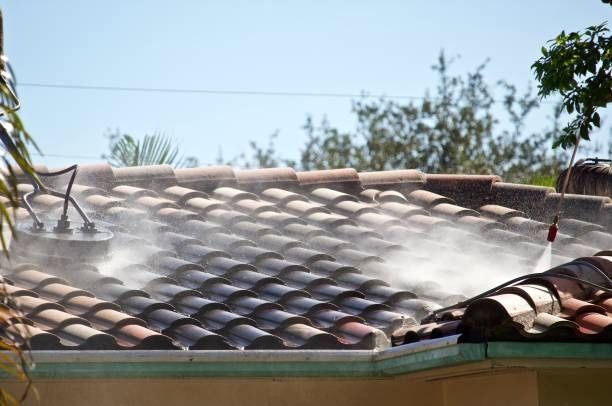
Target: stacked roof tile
216 258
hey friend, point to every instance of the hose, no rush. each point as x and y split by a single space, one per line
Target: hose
433 316
554 227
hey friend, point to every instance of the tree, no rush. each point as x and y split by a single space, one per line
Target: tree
156 149
578 65
15 139
456 129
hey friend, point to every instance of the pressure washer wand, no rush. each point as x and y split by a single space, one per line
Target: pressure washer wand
554 227
552 230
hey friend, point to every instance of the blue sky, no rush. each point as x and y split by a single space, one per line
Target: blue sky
315 46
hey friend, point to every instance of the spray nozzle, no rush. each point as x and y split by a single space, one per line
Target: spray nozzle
552 230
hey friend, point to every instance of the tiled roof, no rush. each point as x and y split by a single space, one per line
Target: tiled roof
216 258
590 177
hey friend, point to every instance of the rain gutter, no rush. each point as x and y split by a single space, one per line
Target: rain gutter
410 358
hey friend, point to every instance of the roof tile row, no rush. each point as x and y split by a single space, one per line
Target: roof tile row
271 258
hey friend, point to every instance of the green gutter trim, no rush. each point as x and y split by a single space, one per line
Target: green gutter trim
587 351
451 355
456 354
307 363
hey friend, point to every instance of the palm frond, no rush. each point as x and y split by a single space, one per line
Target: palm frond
155 149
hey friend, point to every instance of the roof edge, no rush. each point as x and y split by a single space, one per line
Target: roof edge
411 358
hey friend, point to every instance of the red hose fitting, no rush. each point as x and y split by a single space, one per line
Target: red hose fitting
552 230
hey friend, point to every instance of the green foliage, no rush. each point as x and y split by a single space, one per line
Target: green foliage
261 157
541 180
578 65
156 149
457 129
15 139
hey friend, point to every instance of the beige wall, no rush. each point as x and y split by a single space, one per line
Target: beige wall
569 387
504 387
475 385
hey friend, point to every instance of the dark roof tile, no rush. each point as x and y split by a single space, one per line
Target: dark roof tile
525 198
226 217
282 196
378 220
331 268
352 232
114 212
31 278
164 320
304 336
252 230
500 212
203 205
114 292
275 318
54 319
198 228
196 306
99 175
141 305
182 194
280 293
222 292
32 304
131 192
278 219
598 239
327 318
176 241
60 291
253 255
170 292
111 319
85 337
34 337
452 210
253 207
233 195
354 209
222 266
198 338
402 210
249 279
303 231
362 336
249 337
342 179
263 178
358 281
152 176
303 208
201 255
327 220
426 198
137 337
404 179
174 216
332 197
84 305
220 320
473 190
100 202
205 178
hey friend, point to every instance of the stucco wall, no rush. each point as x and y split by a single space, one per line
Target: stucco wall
570 387
508 387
